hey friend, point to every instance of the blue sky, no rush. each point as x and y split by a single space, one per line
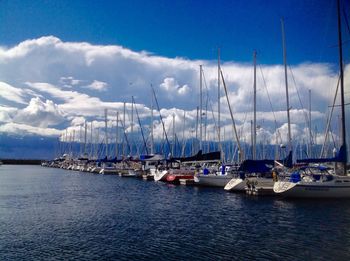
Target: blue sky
192 29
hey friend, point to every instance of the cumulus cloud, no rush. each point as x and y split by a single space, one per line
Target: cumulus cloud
7 113
40 114
24 129
11 93
69 81
76 81
171 86
77 121
98 86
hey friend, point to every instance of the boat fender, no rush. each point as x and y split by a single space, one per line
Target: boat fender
274 176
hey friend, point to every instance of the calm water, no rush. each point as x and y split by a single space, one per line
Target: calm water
51 214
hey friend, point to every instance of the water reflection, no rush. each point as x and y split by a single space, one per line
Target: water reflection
52 213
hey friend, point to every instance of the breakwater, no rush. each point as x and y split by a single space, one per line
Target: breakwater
21 161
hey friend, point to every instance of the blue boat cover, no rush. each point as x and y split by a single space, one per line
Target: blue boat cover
210 156
263 166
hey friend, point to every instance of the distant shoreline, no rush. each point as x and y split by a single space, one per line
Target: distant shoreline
21 161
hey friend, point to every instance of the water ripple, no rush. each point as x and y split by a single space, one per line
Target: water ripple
53 214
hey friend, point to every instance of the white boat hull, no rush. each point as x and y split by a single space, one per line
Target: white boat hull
159 175
108 171
236 184
212 180
128 173
339 187
260 182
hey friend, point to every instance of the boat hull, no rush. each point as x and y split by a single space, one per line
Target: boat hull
160 175
212 180
108 171
175 178
236 184
331 189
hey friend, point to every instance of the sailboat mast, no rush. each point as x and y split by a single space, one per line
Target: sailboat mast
161 119
200 106
139 121
106 132
240 151
124 108
206 123
342 86
196 140
70 143
117 135
91 142
132 124
286 83
173 148
85 139
66 148
310 131
252 138
80 140
254 120
97 143
219 101
183 136
152 138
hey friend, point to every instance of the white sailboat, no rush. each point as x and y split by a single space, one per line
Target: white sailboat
150 165
264 184
255 175
314 182
224 173
251 174
216 178
308 182
239 182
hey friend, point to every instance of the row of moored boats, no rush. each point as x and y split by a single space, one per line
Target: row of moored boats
256 177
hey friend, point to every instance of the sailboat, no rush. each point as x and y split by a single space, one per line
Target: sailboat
174 171
256 176
213 173
318 181
315 181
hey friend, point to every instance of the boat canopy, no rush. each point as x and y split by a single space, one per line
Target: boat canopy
204 157
263 166
256 166
105 159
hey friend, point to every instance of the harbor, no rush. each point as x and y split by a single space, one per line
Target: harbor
255 178
175 130
230 164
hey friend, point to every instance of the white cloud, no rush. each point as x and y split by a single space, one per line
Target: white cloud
171 87
78 121
98 86
65 74
69 81
40 114
7 113
11 93
24 129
